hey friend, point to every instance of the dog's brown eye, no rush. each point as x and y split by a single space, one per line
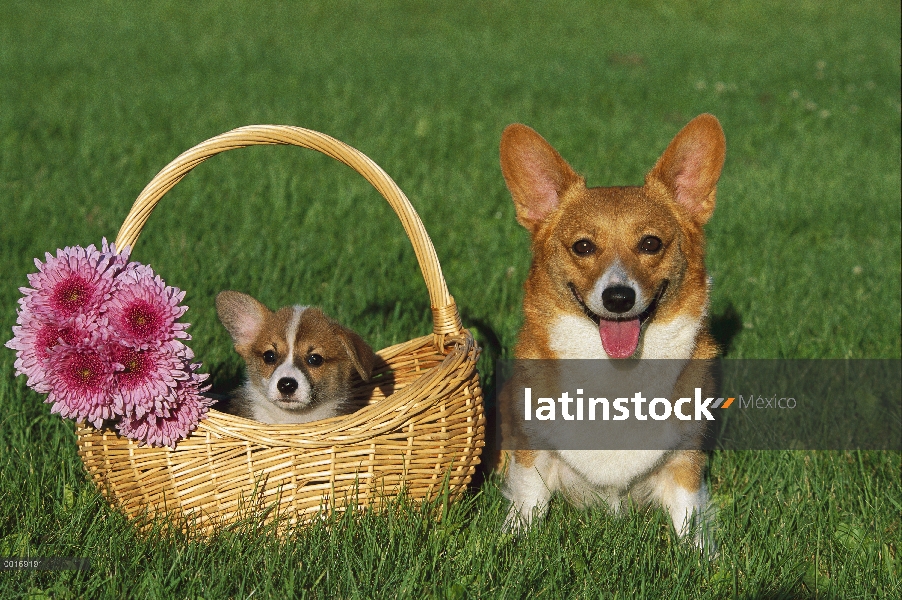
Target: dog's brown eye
269 357
650 244
583 248
314 360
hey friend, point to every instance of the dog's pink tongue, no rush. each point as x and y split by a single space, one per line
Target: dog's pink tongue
619 338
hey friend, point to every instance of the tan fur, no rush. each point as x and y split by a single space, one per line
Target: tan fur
687 469
555 206
525 457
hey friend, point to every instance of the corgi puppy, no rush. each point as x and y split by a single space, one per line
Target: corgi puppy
300 363
617 273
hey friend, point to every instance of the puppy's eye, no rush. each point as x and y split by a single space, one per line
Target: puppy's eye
314 360
583 248
269 357
650 244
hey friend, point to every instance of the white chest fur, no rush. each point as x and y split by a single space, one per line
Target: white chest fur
576 337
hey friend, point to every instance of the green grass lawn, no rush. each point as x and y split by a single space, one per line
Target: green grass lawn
804 249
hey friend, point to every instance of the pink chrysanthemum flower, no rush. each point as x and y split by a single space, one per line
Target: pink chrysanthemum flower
146 380
143 310
98 334
80 378
77 281
68 292
173 418
34 339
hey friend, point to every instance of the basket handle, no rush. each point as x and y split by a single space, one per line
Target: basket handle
445 316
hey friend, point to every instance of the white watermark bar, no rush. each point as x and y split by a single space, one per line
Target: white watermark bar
38 563
738 404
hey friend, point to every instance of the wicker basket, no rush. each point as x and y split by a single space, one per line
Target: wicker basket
420 433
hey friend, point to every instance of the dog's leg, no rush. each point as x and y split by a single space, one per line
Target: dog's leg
679 486
528 487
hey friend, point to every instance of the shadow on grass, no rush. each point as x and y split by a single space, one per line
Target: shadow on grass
490 343
725 326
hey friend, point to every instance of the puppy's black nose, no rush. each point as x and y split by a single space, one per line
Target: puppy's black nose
287 385
618 299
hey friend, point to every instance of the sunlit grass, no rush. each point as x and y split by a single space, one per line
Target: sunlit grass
804 250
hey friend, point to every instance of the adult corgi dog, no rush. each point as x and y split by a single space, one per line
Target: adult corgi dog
617 273
300 363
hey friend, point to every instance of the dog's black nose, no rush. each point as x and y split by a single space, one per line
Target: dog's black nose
287 385
618 299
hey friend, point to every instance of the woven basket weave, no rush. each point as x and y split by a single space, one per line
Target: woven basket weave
421 431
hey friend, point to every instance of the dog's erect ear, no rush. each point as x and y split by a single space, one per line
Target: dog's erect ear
690 167
362 356
535 174
242 315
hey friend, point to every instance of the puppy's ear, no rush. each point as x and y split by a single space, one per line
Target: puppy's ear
536 175
362 356
242 315
690 167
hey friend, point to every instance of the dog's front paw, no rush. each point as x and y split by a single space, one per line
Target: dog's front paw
514 523
519 520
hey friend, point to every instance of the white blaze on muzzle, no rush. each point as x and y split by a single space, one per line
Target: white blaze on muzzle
287 369
619 332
